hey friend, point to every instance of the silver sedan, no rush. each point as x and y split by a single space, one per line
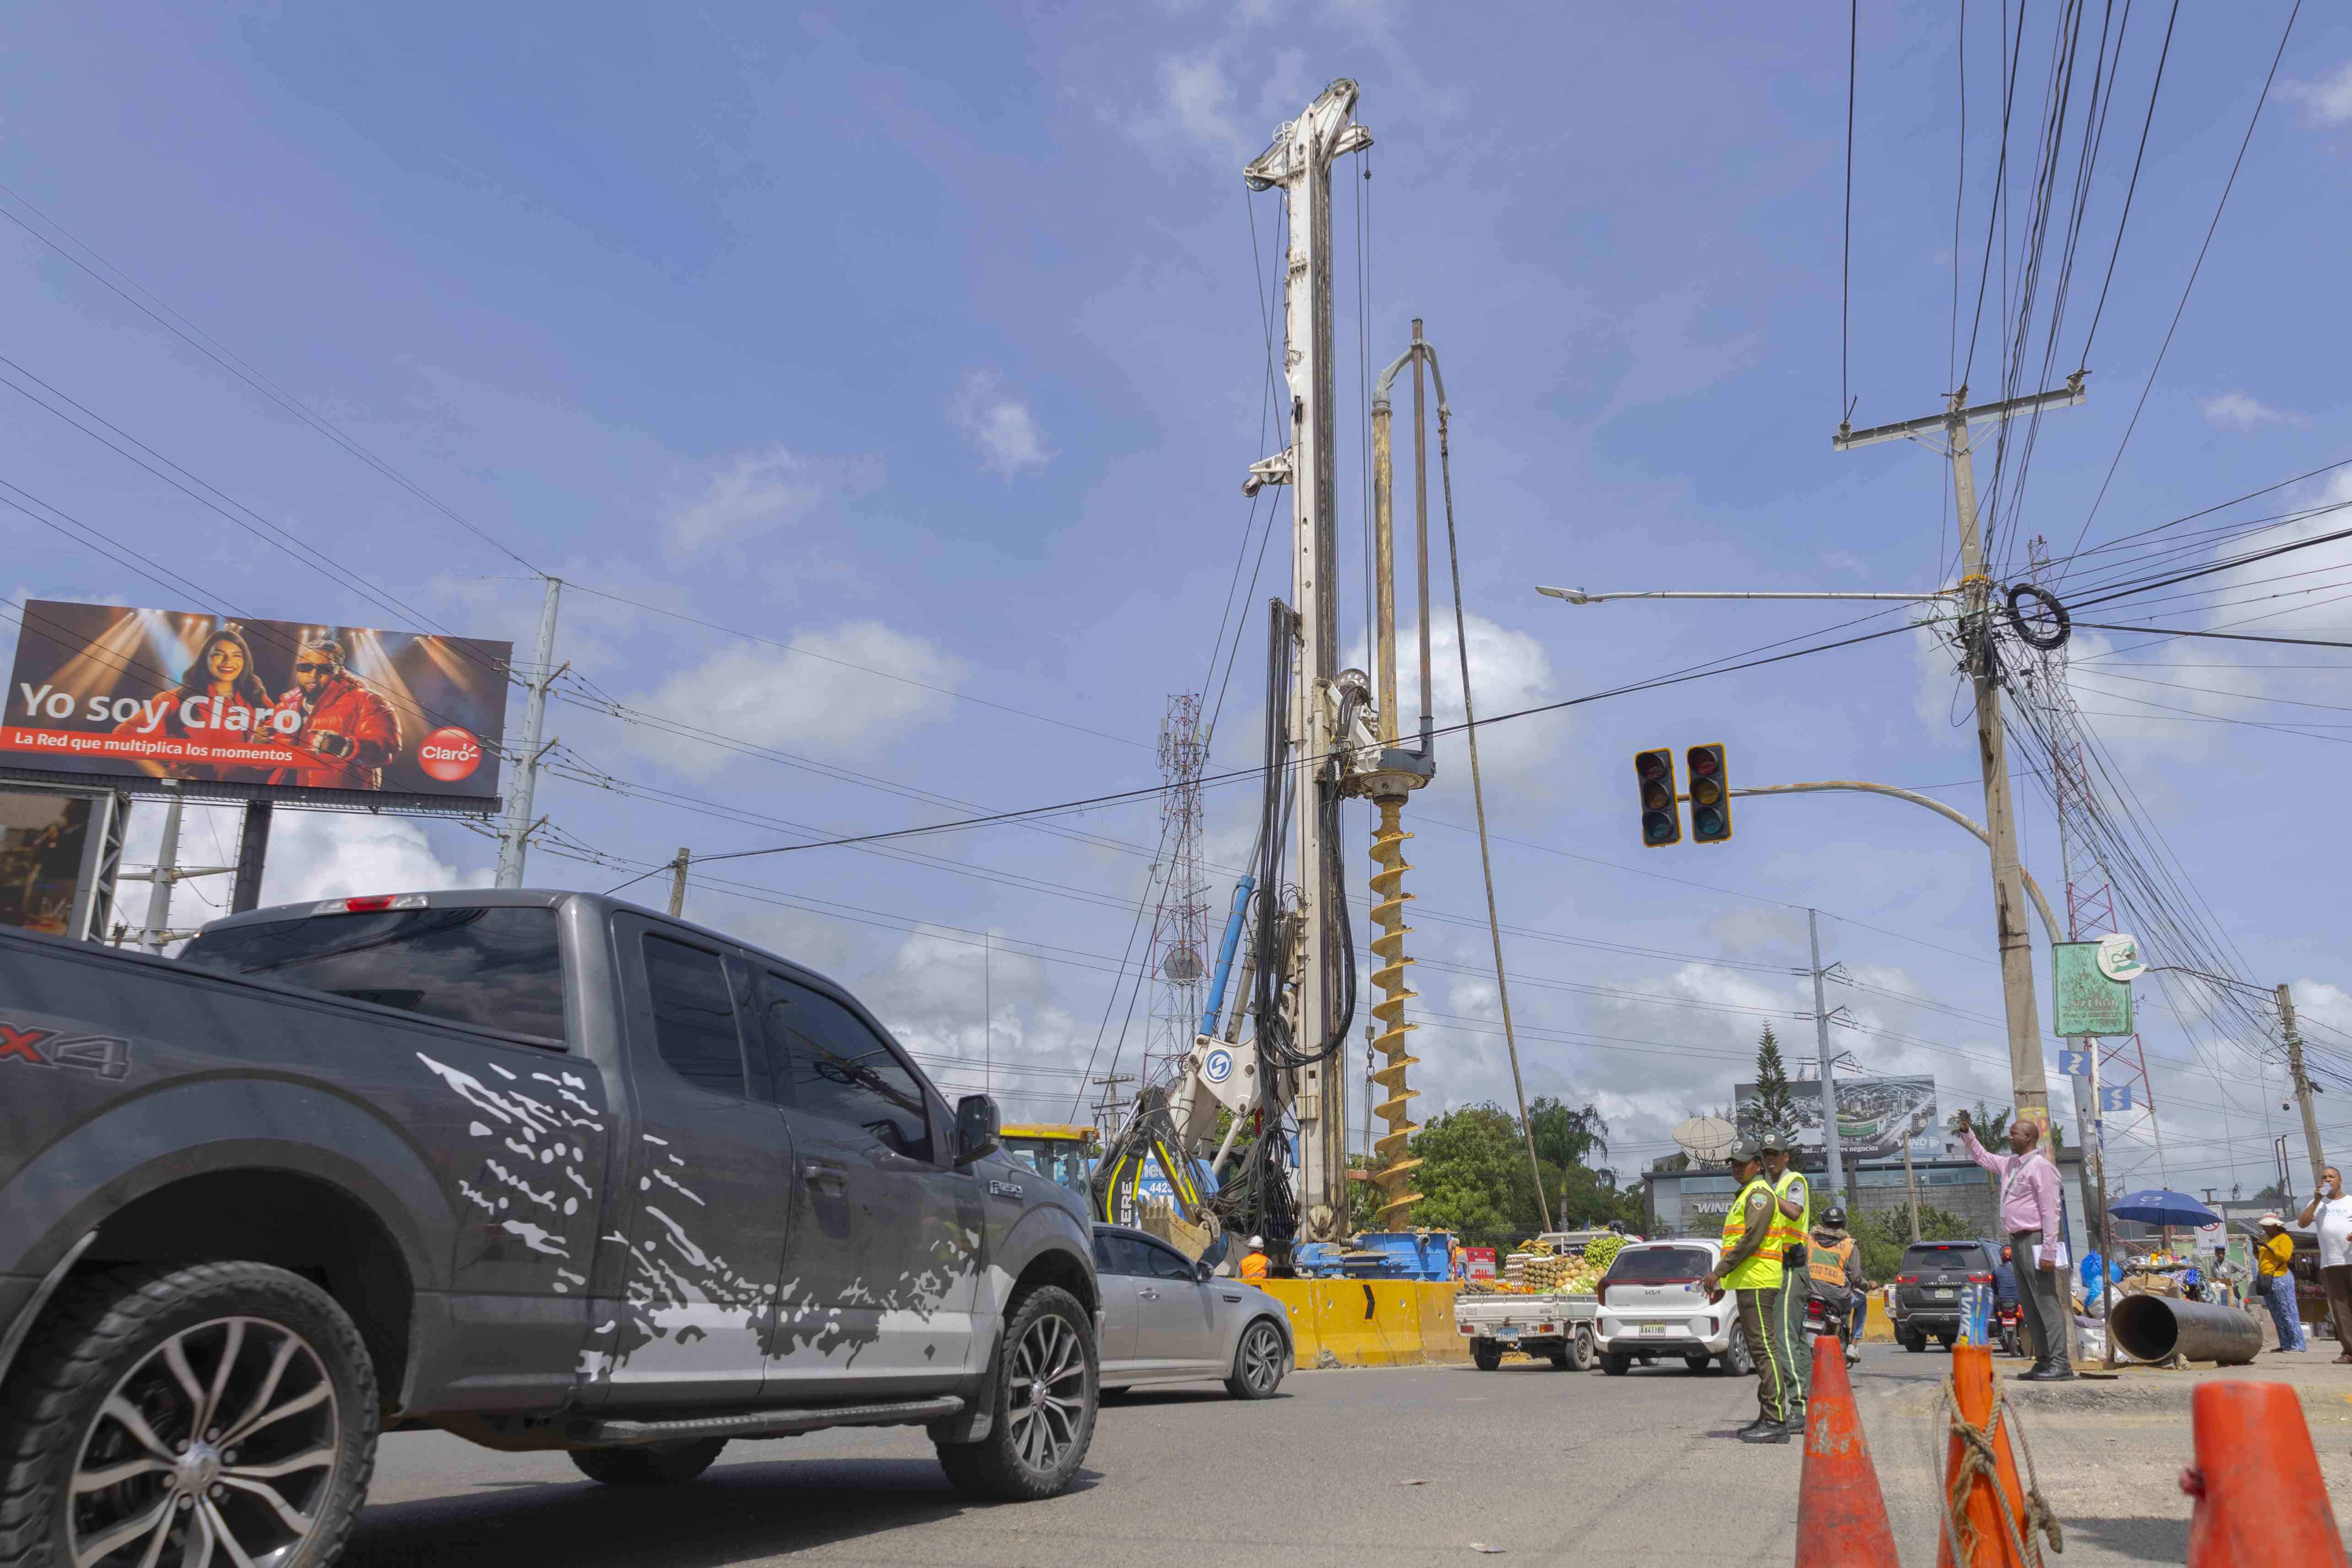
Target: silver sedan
1168 1320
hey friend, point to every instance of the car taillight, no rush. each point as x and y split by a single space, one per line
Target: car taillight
1907 1279
1979 1278
1601 1292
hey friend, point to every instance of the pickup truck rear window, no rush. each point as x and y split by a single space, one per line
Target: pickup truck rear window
496 968
1659 1263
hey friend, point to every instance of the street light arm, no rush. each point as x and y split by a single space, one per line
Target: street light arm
1578 596
2048 920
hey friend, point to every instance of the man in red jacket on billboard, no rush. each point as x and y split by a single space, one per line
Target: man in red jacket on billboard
348 732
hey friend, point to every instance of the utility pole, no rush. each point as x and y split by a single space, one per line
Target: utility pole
2028 1079
2302 1083
1829 1075
1299 162
678 881
519 822
164 878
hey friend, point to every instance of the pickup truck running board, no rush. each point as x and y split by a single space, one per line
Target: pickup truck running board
772 1422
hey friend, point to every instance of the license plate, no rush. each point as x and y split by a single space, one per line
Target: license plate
1942 1295
1657 1329
1506 1332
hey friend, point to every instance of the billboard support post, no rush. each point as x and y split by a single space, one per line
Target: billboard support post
252 849
534 713
158 884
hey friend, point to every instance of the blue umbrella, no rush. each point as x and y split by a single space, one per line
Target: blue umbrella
2162 1206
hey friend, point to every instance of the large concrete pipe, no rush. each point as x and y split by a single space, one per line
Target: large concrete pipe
2156 1328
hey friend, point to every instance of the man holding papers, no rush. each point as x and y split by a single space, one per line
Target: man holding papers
2028 1211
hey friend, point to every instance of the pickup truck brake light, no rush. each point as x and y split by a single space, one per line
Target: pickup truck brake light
374 904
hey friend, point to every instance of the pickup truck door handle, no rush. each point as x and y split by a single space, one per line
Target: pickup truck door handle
820 1172
1146 1294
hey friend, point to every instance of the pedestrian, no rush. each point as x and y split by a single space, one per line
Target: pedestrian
2274 1255
2330 1213
1793 1217
1254 1263
1752 1272
1834 1263
2028 1211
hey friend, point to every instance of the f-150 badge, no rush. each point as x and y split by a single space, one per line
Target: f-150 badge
104 1055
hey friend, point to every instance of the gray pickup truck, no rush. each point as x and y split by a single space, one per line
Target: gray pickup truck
540 1169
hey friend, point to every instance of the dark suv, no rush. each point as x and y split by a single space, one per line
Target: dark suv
1928 1287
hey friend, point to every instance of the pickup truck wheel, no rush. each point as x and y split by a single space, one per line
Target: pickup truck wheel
1486 1354
650 1464
222 1412
1046 1398
1582 1353
1257 1363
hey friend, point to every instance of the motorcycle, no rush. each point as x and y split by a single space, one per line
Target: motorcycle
1822 1317
2009 1325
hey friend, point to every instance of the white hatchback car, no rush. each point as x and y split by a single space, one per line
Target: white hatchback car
1650 1306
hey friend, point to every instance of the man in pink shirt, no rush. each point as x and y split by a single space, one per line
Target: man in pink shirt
2028 1211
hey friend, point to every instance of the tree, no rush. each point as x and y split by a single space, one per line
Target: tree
1563 1138
1470 1160
1774 1107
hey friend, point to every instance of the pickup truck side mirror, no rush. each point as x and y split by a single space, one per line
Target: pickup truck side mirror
978 1128
1204 1271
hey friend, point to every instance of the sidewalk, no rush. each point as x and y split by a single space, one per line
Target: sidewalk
2323 1386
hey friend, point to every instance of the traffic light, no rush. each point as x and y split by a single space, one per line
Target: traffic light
1662 819
1710 795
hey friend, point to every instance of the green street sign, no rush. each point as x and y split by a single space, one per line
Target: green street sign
2087 1002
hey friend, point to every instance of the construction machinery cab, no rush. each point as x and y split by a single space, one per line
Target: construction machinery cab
1062 1153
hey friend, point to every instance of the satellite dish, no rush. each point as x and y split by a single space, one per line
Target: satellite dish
1182 965
1705 1137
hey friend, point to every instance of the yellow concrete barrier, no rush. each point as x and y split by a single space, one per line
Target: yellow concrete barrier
1371 1322
1876 1328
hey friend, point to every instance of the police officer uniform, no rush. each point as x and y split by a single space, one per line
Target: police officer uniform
1790 1237
1750 1268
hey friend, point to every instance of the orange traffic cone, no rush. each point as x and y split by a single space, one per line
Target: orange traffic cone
1988 1509
1841 1513
2260 1497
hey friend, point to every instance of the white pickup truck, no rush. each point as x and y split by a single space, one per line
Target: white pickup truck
1558 1326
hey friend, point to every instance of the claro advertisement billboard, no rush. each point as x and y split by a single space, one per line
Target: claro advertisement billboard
1874 1116
99 688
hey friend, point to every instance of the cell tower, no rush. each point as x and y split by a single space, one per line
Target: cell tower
1180 928
2090 893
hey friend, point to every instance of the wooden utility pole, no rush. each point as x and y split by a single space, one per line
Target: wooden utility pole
2028 1079
678 881
2301 1084
515 836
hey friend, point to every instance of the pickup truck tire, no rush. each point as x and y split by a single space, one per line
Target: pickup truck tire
1257 1363
1046 1392
651 1464
1486 1354
223 1399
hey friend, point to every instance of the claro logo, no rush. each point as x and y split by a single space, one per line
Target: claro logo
449 754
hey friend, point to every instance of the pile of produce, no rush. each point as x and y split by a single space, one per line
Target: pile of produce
1602 1251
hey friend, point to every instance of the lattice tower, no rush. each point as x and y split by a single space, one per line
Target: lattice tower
1179 927
2090 897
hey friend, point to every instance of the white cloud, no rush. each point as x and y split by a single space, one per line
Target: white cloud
1845 561
312 855
1508 670
755 492
769 697
999 426
2327 101
2241 411
1199 100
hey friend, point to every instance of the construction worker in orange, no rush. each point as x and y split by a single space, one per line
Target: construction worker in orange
1751 1269
1253 1262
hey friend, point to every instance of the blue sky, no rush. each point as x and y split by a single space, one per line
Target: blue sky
928 340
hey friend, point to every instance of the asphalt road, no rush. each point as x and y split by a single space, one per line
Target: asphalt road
1346 1469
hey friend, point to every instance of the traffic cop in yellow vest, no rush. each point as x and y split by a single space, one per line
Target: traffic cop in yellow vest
1793 1217
1750 1268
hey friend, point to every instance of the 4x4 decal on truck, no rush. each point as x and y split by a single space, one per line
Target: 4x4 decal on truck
107 1055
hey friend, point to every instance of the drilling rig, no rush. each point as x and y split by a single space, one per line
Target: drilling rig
1331 735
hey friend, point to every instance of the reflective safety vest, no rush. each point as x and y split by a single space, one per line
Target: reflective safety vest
1789 1233
1253 1267
1761 1272
1827 1264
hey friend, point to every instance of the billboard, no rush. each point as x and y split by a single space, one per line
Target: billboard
100 689
57 859
1874 1116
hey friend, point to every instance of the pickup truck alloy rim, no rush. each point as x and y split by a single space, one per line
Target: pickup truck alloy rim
217 1448
1047 1391
1261 1358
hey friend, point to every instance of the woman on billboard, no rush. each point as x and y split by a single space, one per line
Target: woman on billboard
219 700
